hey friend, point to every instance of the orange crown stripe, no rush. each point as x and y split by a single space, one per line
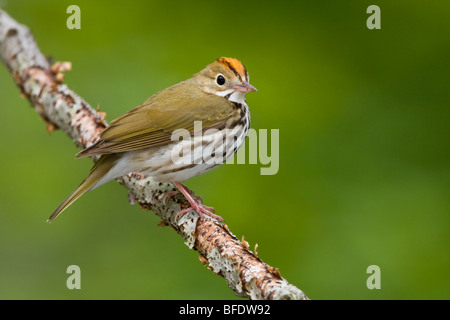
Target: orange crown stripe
234 64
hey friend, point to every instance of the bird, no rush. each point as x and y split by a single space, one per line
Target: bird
211 111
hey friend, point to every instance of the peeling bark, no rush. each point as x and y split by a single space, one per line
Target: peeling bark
220 251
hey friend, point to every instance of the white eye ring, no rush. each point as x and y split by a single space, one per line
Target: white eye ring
220 79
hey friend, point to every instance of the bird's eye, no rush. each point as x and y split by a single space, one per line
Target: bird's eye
220 80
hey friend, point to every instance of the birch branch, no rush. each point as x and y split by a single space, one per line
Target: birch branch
220 251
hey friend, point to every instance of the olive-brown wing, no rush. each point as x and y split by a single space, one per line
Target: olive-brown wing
153 122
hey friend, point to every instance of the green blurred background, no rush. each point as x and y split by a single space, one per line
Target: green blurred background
364 154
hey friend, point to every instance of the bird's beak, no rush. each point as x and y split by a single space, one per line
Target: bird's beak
245 87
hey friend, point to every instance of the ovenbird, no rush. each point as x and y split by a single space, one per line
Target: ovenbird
142 139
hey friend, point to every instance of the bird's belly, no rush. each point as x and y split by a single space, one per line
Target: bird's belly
182 160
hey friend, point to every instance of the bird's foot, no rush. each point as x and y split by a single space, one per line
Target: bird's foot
173 193
201 209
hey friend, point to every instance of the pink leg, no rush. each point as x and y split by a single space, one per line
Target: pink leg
172 193
200 208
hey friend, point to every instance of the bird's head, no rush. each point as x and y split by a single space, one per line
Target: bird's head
225 77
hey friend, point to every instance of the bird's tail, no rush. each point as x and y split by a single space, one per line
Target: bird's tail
98 171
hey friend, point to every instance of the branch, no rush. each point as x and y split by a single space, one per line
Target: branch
220 250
